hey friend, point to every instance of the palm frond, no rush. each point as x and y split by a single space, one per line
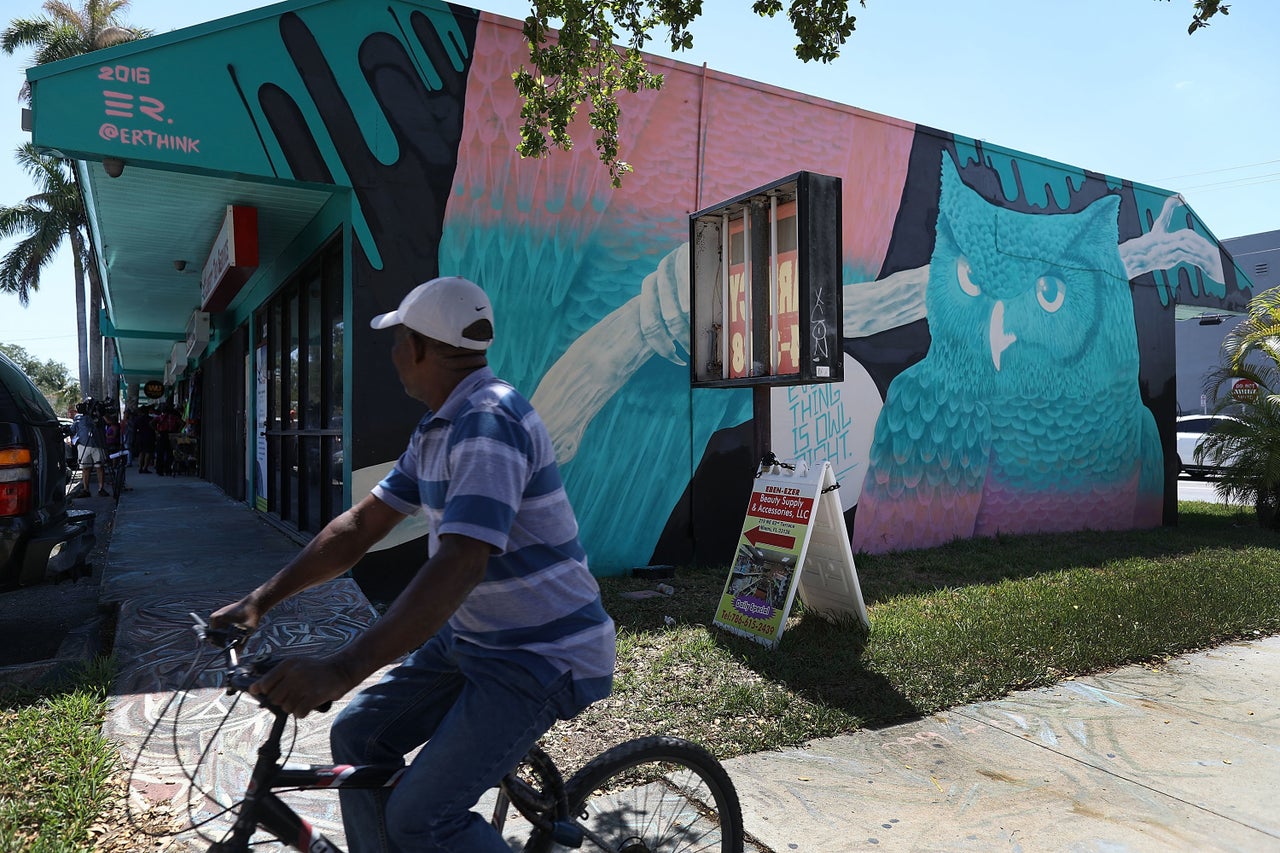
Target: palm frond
14 276
67 15
63 43
24 32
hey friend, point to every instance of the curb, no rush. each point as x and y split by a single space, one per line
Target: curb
81 645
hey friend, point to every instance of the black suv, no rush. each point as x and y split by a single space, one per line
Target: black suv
39 537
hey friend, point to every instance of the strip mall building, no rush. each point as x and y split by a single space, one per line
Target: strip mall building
285 174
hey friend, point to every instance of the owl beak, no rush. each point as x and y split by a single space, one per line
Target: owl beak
1000 339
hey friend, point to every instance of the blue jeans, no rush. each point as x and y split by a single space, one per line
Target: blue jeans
476 726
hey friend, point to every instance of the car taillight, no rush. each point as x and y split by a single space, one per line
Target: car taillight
15 481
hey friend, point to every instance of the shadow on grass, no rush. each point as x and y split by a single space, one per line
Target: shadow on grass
823 661
819 660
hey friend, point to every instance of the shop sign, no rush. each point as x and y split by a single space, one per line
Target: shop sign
232 259
153 390
793 540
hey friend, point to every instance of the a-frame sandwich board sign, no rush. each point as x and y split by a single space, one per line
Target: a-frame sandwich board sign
793 538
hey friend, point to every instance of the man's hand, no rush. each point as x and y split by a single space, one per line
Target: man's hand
243 613
302 684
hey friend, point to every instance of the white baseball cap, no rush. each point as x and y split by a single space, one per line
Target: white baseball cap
447 309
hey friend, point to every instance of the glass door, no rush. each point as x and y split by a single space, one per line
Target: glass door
301 329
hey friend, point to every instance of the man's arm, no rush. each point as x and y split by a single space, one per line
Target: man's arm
299 685
336 548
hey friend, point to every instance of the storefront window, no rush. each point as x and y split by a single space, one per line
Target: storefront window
304 326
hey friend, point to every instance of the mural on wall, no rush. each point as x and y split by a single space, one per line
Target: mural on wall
988 427
1025 415
1005 317
591 289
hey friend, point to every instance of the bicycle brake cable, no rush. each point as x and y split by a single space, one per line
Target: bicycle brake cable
187 679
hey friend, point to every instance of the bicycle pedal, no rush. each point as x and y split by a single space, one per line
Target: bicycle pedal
566 834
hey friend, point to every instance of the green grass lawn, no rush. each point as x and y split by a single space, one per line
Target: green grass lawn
57 766
951 625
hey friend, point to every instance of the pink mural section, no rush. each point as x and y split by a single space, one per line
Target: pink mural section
704 137
756 133
598 276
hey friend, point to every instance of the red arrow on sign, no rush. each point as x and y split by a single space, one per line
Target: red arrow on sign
758 537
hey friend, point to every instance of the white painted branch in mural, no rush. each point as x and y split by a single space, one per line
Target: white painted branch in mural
1162 248
887 303
600 362
664 305
590 372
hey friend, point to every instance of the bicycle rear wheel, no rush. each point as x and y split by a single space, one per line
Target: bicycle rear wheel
657 794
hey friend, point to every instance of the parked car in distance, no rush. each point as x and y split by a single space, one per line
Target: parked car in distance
1192 430
40 537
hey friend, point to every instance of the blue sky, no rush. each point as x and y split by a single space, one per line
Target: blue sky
1116 86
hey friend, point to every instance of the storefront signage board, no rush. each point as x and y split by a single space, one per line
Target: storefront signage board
232 259
793 539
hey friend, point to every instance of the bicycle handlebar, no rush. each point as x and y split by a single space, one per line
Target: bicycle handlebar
240 676
230 638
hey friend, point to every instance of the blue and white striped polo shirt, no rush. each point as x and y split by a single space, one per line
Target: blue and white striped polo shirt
483 466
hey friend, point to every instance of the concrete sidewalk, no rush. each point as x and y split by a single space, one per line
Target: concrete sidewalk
1181 757
1185 756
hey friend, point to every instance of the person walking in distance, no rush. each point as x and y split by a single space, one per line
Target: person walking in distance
503 625
166 423
144 440
89 437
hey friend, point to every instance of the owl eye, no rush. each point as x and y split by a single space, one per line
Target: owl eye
962 273
1050 291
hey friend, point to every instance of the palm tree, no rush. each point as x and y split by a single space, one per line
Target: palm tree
54 212
63 32
1247 446
66 31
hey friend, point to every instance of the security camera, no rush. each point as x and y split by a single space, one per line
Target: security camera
113 166
179 265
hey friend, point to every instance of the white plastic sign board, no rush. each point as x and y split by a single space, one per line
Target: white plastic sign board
828 578
794 537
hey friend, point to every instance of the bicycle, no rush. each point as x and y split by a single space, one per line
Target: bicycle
645 795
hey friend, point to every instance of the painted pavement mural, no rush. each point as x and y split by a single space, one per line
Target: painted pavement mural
969 406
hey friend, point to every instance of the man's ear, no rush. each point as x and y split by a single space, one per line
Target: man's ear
419 344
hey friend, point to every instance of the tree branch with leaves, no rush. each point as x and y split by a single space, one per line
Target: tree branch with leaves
596 56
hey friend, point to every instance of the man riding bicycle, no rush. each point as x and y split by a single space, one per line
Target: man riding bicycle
503 625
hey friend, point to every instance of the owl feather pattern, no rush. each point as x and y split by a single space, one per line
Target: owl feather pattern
1025 415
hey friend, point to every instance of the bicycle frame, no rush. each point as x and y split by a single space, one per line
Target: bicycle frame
261 807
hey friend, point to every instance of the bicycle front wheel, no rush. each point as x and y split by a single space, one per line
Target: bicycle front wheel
656 794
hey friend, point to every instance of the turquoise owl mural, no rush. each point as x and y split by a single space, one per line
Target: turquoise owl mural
1025 414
